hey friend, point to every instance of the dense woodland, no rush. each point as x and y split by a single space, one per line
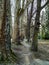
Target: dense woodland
23 23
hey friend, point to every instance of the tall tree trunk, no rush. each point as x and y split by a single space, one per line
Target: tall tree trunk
36 28
29 17
2 37
16 23
5 38
7 26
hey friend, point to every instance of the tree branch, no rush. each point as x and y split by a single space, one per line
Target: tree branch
41 7
45 4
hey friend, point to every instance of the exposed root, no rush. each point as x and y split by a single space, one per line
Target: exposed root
11 58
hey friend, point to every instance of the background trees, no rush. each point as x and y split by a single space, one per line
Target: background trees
47 22
29 17
22 7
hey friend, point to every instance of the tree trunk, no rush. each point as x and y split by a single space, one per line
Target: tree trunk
2 37
7 27
18 32
5 38
36 28
29 17
16 23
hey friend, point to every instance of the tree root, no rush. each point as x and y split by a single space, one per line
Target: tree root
12 57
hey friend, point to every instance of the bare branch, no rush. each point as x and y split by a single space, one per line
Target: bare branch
45 4
41 7
27 4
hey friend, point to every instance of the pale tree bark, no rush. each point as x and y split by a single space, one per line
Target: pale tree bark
16 23
29 17
23 3
7 27
18 12
36 28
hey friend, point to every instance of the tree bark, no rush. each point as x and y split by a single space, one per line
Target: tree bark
7 26
5 38
18 32
29 17
36 28
2 37
16 23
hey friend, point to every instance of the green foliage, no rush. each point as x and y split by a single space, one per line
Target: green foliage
47 35
47 22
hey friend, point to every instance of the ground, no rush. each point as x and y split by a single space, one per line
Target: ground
43 50
26 57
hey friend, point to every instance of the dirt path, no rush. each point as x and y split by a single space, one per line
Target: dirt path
26 57
30 58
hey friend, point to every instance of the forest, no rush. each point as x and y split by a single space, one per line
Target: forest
24 32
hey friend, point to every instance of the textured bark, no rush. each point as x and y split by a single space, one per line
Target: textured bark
5 40
2 37
36 27
16 23
18 33
7 26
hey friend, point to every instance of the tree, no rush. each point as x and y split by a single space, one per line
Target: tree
16 23
36 27
29 17
47 22
5 38
19 10
2 37
34 46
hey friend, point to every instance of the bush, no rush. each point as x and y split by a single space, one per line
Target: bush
46 35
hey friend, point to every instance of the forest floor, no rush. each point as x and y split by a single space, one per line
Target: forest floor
27 57
33 58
